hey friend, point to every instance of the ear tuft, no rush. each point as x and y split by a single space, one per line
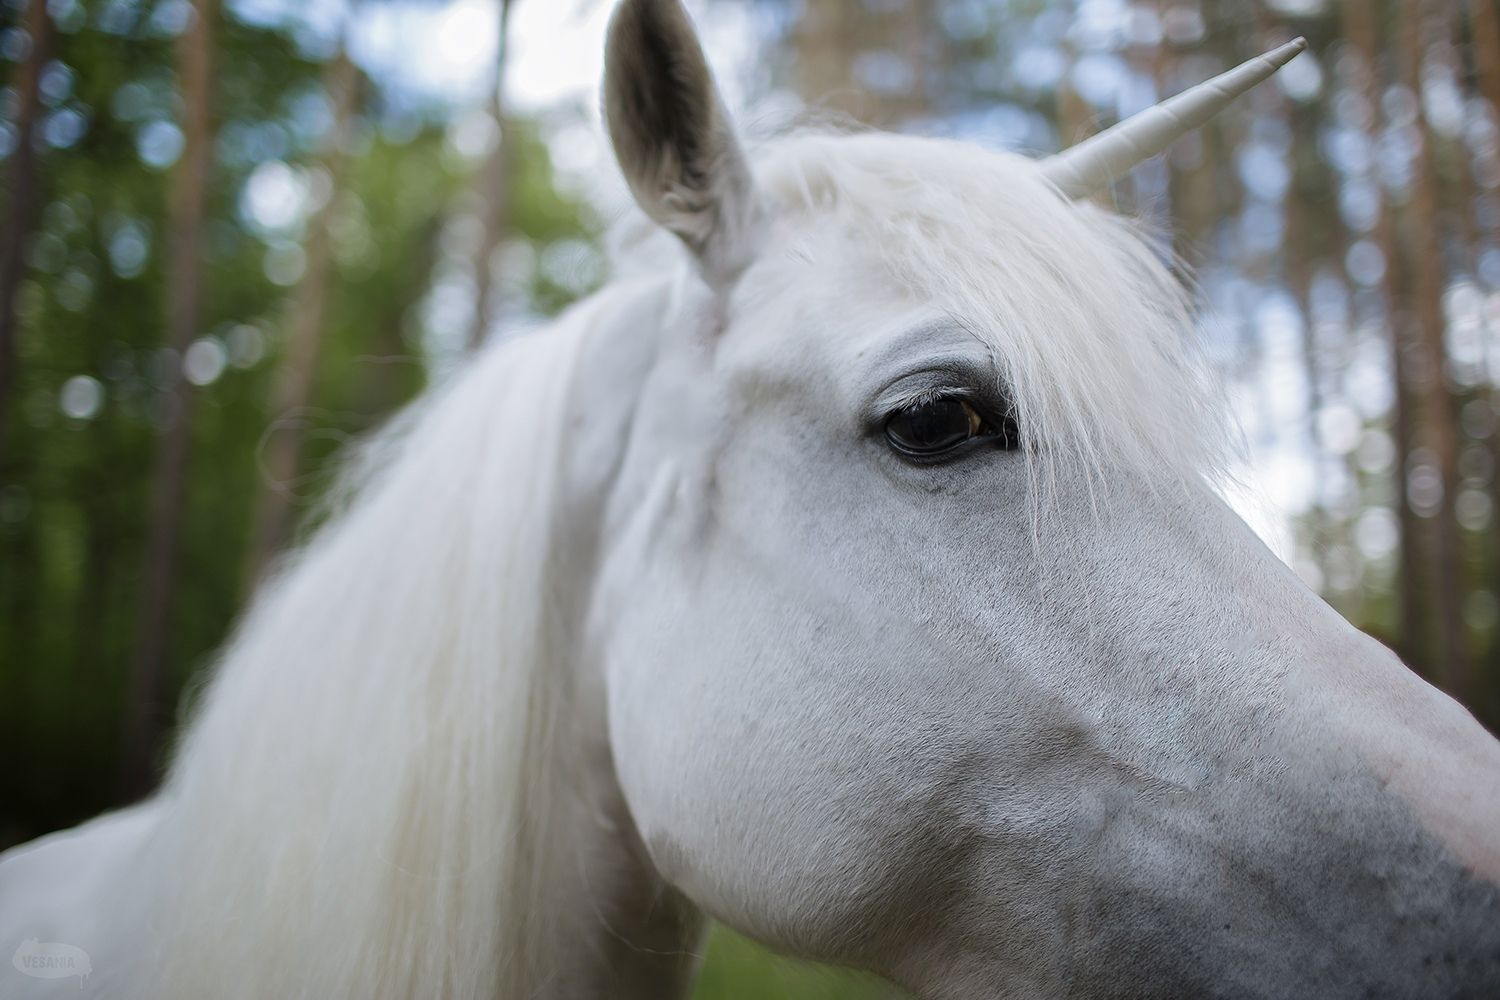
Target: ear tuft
674 140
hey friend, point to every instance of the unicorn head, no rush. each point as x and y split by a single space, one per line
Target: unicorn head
928 643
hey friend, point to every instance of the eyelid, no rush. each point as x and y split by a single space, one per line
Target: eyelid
957 377
928 394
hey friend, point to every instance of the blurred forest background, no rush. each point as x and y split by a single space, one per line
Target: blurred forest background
238 232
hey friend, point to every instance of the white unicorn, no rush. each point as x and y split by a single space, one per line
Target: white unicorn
850 570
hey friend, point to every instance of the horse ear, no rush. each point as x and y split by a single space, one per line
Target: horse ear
674 140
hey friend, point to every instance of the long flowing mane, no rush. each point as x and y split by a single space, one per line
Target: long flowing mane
361 806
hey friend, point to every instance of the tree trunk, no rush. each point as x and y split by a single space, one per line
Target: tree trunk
1485 27
281 459
497 181
829 39
24 196
1360 30
823 43
145 713
1438 427
1298 264
1075 117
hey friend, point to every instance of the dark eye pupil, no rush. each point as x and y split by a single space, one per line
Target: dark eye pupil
932 426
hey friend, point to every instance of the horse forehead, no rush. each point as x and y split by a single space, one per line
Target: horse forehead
819 322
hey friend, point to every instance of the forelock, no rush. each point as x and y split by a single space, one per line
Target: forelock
1094 334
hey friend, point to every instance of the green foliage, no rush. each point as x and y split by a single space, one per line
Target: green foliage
74 488
738 969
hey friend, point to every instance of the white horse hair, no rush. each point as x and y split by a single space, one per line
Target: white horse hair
416 624
1093 334
638 619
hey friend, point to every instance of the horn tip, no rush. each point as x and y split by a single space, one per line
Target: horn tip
1283 54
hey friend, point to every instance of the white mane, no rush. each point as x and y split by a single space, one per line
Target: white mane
363 805
1092 332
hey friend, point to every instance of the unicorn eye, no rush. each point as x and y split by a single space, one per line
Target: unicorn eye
930 428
